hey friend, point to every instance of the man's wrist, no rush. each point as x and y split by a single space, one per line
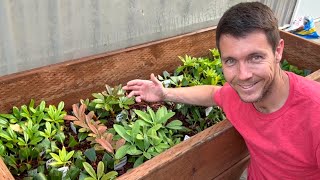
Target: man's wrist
165 96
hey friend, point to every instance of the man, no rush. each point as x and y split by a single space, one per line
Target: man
276 112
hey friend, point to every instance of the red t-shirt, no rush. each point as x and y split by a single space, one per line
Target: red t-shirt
283 144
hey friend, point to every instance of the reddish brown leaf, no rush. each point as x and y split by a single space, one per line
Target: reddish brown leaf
120 143
106 145
109 137
70 118
102 129
91 126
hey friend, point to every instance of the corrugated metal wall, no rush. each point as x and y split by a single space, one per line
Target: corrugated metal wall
35 33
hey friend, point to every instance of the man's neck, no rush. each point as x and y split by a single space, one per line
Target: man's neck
277 96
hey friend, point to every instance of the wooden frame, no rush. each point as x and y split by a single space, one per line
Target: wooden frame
219 152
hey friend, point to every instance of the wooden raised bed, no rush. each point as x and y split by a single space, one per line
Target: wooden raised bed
219 152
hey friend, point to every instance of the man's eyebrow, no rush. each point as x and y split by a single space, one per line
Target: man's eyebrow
227 57
256 53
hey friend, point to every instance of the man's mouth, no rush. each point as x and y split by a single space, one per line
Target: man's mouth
247 86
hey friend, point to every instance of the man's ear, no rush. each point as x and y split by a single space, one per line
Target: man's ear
279 50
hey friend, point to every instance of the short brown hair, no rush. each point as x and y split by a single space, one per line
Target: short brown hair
244 18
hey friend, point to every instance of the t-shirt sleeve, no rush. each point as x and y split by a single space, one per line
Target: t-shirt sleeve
217 97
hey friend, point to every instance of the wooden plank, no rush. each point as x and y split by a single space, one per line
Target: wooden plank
301 52
203 156
235 171
73 80
4 172
315 76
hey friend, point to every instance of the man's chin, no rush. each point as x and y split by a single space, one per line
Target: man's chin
249 99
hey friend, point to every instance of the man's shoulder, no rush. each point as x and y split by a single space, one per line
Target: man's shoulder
306 88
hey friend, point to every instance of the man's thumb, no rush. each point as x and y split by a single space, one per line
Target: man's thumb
155 80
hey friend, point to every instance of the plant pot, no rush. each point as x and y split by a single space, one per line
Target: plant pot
217 152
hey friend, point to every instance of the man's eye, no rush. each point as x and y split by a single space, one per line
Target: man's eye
257 58
229 62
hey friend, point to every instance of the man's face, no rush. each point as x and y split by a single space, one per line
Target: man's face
250 65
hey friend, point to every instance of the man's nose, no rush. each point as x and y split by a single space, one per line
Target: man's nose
244 71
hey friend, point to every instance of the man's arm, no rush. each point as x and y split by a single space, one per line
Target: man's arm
196 95
153 91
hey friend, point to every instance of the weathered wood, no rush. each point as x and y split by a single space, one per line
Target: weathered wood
4 172
315 76
204 156
77 79
235 171
301 52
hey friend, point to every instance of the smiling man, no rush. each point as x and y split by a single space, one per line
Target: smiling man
276 112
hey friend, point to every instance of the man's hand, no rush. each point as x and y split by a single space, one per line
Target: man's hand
147 90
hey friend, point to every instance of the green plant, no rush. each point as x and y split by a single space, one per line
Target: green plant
288 67
29 112
62 159
149 135
171 80
54 114
112 100
49 132
100 174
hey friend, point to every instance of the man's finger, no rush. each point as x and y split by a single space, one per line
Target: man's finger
138 99
155 80
138 82
132 88
133 93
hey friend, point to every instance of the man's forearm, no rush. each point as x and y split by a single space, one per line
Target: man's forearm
196 95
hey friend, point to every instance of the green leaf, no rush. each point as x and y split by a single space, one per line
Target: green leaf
163 119
73 172
5 135
90 178
100 169
11 133
176 124
135 128
110 175
133 150
108 160
82 136
60 106
60 137
55 174
139 136
89 170
63 154
42 106
91 154
98 101
144 116
69 155
98 95
55 157
72 142
152 114
147 155
122 151
122 132
138 162
40 176
35 140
